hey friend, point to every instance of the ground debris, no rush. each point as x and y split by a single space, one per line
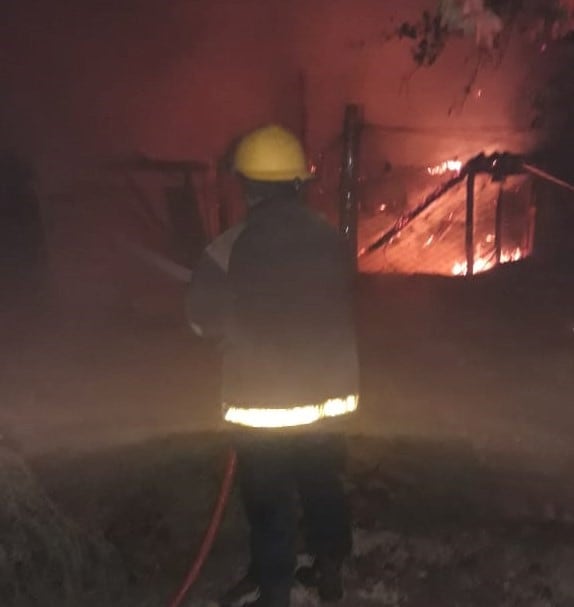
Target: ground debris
417 543
464 567
44 558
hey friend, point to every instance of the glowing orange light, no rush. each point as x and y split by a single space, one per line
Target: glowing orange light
510 256
483 264
452 166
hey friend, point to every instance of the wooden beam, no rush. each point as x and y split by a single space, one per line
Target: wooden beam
498 225
349 206
470 224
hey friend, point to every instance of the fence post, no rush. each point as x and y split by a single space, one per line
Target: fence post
303 110
498 225
528 246
223 219
470 224
531 228
348 210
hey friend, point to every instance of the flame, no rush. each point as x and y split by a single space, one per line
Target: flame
452 166
510 256
483 264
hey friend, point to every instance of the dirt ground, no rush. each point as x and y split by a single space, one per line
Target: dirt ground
433 524
460 459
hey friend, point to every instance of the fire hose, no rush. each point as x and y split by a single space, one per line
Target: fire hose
210 532
182 274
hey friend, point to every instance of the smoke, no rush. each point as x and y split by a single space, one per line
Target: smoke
88 81
182 78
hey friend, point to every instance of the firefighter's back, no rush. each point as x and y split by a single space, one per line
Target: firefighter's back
291 339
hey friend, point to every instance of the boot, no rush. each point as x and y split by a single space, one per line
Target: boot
278 595
324 575
247 593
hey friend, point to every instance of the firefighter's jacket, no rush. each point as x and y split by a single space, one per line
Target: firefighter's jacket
277 291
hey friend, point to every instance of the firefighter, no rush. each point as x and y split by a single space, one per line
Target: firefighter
276 291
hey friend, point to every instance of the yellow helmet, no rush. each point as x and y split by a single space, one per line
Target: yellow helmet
271 153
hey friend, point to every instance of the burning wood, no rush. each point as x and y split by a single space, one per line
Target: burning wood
448 166
485 263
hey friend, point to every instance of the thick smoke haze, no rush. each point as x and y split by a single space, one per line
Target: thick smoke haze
86 82
180 79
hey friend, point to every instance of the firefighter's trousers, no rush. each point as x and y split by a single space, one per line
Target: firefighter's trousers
274 470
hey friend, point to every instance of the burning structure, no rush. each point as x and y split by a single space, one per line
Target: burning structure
441 218
471 220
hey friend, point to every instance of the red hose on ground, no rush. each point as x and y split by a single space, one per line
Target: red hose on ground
211 531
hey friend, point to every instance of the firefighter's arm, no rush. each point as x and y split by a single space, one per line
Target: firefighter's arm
209 296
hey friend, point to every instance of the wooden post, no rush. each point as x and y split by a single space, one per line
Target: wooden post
531 229
187 228
223 219
470 224
498 225
531 220
348 210
303 110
